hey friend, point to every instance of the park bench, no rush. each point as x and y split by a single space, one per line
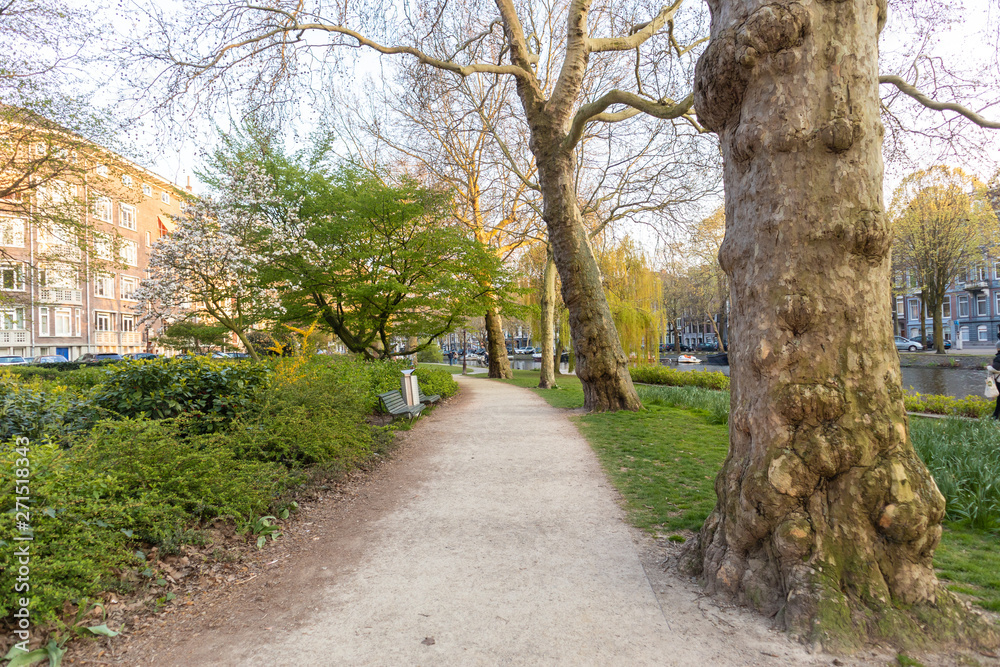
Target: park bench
396 406
429 398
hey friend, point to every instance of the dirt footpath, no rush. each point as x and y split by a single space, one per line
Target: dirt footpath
493 538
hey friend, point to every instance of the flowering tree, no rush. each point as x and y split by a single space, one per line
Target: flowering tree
373 261
208 267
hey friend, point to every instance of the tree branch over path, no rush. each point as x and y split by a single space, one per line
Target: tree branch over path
912 91
594 111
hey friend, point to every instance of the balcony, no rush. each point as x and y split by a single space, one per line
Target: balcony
117 338
13 337
976 285
74 296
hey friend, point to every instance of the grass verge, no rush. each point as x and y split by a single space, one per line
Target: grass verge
664 460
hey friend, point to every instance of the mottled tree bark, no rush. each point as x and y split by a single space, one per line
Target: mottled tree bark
825 517
496 347
601 363
547 376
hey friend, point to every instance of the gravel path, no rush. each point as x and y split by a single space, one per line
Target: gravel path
504 545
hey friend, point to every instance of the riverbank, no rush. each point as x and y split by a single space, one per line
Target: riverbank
977 359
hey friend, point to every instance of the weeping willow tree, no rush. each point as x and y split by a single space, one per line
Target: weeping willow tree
634 291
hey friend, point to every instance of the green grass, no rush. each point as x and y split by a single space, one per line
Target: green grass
970 562
454 370
664 460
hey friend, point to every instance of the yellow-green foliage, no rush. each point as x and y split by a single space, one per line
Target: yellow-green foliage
633 291
970 406
670 376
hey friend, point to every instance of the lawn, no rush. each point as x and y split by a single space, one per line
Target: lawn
664 460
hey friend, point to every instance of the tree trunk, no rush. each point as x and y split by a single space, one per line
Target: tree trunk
557 357
937 327
825 516
496 347
923 320
547 377
601 363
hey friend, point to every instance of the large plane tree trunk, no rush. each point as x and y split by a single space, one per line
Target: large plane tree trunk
825 516
601 363
496 347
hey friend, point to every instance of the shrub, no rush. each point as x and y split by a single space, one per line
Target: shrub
430 354
652 374
316 418
83 377
436 381
126 481
40 410
970 406
163 388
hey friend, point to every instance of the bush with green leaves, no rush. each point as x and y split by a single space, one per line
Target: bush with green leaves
41 410
316 419
436 381
81 376
652 374
125 481
714 404
431 354
969 406
163 388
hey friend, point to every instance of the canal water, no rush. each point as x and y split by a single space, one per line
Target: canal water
957 382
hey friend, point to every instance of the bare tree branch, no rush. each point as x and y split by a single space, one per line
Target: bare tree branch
913 92
594 111
637 35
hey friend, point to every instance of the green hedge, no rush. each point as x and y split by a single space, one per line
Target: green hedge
652 374
970 406
83 376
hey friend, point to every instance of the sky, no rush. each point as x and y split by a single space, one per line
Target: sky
974 39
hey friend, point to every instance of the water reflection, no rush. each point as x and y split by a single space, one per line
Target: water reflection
957 382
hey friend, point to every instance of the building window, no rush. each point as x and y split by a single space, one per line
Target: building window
946 308
43 321
102 321
12 232
965 334
102 170
11 278
129 286
914 332
963 308
102 246
981 331
130 253
126 216
12 318
102 209
59 276
914 309
126 180
148 240
165 197
982 308
984 273
64 321
128 322
900 312
104 285
79 323
147 189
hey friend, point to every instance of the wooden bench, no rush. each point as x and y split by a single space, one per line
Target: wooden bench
432 398
396 406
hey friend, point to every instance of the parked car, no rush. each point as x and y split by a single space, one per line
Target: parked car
708 347
138 356
50 359
100 357
12 361
930 342
907 344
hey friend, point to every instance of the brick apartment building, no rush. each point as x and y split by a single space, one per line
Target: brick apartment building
67 279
